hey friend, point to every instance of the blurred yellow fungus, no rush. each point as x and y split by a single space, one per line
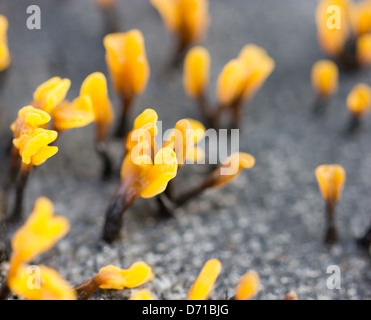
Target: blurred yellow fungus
359 100
332 26
196 72
105 3
5 58
291 295
331 180
202 287
49 285
111 277
142 294
38 234
360 16
187 19
325 78
75 114
140 177
128 66
51 93
248 286
364 49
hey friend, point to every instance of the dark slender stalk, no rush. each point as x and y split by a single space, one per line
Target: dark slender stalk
365 241
331 236
320 104
16 214
348 58
236 108
102 151
122 200
111 19
354 124
203 106
121 128
86 289
166 206
4 290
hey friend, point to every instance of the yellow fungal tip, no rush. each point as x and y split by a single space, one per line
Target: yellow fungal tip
142 294
359 100
364 49
331 180
202 287
5 57
248 286
325 77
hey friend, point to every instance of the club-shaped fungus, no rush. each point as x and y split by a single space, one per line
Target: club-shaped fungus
331 180
204 284
38 234
364 49
359 104
248 286
128 66
111 277
5 58
95 86
187 19
325 82
32 142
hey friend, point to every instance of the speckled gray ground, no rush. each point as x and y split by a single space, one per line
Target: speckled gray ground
270 219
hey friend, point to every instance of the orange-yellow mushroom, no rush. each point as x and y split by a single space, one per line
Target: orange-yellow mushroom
359 100
51 93
360 16
332 25
202 287
111 277
39 233
364 49
188 19
40 283
75 114
331 180
5 58
248 286
196 72
142 294
127 62
325 78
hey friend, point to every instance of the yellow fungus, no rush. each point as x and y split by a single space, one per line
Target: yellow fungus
332 32
359 100
127 62
364 49
187 18
231 82
291 295
331 179
248 286
360 16
111 277
142 294
202 287
95 86
196 72
325 77
75 114
40 283
51 93
39 233
259 66
231 168
5 58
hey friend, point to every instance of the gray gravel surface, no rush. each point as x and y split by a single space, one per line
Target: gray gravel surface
270 219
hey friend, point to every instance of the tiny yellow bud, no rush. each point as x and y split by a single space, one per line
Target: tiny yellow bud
51 93
5 58
127 62
291 295
40 283
142 294
359 100
259 66
360 16
331 180
75 114
364 49
196 72
105 3
248 286
111 277
325 77
39 233
230 83
95 86
332 30
202 287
